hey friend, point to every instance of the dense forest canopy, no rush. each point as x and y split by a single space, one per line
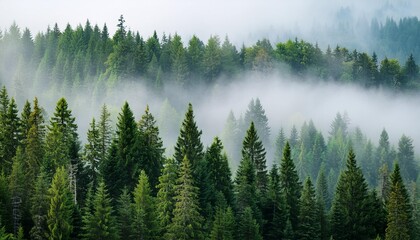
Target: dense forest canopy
126 177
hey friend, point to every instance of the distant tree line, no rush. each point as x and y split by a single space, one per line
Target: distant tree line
120 184
87 59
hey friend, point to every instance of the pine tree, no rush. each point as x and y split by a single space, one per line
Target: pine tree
34 150
39 208
125 214
92 154
126 135
61 207
189 145
151 149
308 227
398 220
350 210
248 228
279 146
166 194
275 210
291 186
10 135
253 149
223 224
104 132
406 158
399 208
100 224
144 222
186 223
25 125
256 114
219 171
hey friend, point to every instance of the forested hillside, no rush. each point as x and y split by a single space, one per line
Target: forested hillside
121 180
86 59
120 184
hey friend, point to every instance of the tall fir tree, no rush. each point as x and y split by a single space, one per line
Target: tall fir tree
223 225
187 221
166 195
248 228
25 125
291 186
309 226
39 207
101 223
61 206
275 211
253 149
150 148
92 155
125 214
144 224
350 211
399 208
219 171
104 132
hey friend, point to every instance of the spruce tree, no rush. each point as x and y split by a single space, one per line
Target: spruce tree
399 208
219 171
406 158
125 139
10 135
166 195
125 214
308 227
350 211
223 225
256 114
34 150
144 219
248 228
39 208
279 146
275 210
104 132
25 125
101 223
187 221
61 206
92 154
291 186
253 149
150 149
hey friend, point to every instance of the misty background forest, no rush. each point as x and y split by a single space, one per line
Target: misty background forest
110 133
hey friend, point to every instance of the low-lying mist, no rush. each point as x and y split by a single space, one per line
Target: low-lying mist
286 100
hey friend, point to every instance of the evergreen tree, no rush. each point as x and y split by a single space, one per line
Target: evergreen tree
61 207
91 154
291 186
126 165
144 220
275 210
256 114
165 196
150 149
34 150
186 222
279 146
248 228
39 208
253 149
350 211
100 224
219 171
399 209
104 132
223 225
25 125
10 135
308 227
125 214
405 157
245 188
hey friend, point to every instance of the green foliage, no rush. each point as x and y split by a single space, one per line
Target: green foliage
150 148
308 227
166 194
144 223
187 221
248 227
289 181
39 207
350 211
100 223
125 214
61 206
223 224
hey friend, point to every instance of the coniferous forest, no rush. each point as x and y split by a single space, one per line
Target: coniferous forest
118 180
